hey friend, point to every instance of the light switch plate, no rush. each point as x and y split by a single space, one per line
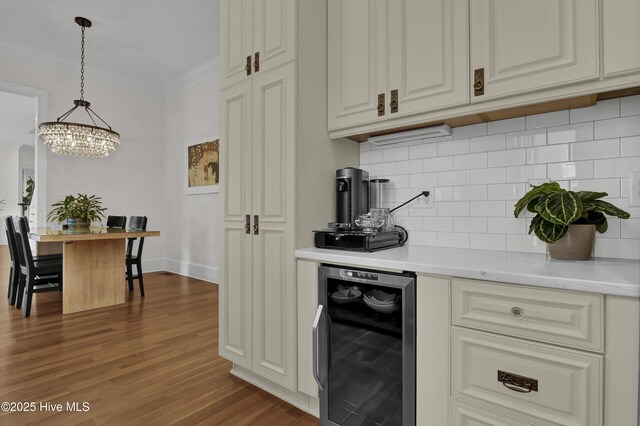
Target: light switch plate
634 189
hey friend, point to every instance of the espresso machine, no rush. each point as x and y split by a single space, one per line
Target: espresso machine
352 200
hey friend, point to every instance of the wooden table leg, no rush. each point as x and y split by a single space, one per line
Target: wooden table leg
93 274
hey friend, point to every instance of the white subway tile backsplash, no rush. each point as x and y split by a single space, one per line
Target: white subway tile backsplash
605 148
506 225
547 154
453 239
469 192
492 175
527 138
630 147
423 151
506 191
570 133
470 131
618 127
487 143
547 119
600 111
509 157
487 241
438 164
616 167
470 224
395 154
460 177
453 147
470 161
630 106
369 157
610 186
477 174
570 170
525 173
505 126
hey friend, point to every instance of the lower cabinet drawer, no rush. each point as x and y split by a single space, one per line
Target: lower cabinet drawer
468 415
535 383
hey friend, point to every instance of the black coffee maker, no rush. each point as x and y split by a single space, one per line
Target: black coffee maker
352 196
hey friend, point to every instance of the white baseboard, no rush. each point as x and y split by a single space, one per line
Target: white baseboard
193 270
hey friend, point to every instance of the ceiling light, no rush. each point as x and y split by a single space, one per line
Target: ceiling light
411 135
77 139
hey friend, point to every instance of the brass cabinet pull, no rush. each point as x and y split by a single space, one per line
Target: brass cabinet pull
247 224
394 101
256 62
517 312
380 104
256 225
517 383
478 82
247 67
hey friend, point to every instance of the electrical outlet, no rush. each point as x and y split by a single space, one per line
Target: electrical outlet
634 189
428 201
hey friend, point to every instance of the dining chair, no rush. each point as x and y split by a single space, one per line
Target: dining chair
116 222
15 272
35 277
135 223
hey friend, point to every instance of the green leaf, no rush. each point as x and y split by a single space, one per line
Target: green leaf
608 208
547 231
561 209
586 196
534 194
599 220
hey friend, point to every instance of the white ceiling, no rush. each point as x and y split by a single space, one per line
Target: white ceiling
151 41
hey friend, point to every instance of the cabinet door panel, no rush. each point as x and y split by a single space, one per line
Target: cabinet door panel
525 45
621 34
274 292
274 32
428 53
357 69
236 39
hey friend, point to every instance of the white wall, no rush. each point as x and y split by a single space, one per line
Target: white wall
191 112
8 184
477 174
131 180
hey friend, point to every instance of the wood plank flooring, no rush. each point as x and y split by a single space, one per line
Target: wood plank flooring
148 362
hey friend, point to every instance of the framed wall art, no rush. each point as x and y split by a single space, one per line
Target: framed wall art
202 164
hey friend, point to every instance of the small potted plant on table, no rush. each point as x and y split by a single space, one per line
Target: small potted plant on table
78 211
567 220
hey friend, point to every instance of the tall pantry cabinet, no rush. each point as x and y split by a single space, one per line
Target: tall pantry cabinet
277 175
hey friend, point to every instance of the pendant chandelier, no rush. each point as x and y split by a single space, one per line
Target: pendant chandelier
77 139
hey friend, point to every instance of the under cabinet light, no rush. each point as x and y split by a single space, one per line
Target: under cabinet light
411 135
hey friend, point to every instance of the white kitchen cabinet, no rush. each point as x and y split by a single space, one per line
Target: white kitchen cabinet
391 58
261 36
277 185
621 37
522 46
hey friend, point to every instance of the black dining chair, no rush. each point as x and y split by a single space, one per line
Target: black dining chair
138 223
35 277
116 222
15 272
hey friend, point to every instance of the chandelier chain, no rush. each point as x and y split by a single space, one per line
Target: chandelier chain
82 67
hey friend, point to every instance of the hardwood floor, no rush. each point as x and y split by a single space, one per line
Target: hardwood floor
153 361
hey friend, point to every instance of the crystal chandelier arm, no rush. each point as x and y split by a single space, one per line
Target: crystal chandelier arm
66 114
100 118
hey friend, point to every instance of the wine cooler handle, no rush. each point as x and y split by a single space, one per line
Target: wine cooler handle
316 347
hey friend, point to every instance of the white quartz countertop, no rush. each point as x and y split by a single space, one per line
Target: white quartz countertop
599 275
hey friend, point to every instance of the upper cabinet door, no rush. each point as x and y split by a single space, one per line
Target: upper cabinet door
357 68
236 40
525 45
274 33
428 54
621 34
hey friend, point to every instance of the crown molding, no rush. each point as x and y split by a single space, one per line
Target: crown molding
195 76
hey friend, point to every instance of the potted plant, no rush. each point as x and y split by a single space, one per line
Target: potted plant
26 198
78 211
567 220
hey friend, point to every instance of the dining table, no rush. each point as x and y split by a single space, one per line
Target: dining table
93 264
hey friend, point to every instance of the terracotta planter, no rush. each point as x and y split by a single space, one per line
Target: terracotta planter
576 245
